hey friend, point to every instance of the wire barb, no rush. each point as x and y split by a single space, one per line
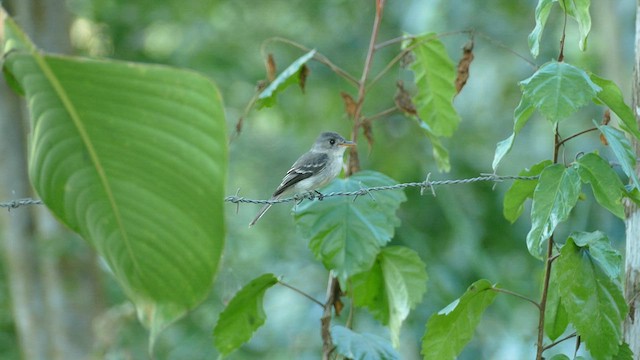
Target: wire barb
235 199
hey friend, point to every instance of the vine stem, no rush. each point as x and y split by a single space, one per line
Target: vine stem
557 143
354 163
543 300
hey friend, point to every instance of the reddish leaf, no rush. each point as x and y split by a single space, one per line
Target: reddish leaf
271 67
349 104
463 66
403 100
302 76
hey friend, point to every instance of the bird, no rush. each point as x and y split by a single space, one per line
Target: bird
313 170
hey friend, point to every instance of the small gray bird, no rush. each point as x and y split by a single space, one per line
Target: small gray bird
312 170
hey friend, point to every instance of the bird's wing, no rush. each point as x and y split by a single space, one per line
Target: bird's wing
306 166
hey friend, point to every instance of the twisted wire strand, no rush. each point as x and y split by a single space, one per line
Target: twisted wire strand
426 184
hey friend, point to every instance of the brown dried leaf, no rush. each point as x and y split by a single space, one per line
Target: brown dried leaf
606 118
349 104
403 100
302 76
239 125
603 140
271 67
368 132
338 305
463 65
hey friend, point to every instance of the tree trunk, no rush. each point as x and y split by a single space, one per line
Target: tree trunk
632 257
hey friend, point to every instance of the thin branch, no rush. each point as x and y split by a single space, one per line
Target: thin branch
576 135
559 341
509 292
543 299
383 113
325 321
564 33
301 293
318 57
505 47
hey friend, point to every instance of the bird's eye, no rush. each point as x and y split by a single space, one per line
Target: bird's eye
332 141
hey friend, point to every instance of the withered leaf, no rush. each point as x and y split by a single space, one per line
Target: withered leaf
463 66
271 67
349 104
403 100
302 76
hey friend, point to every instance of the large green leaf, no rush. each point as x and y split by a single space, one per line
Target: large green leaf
243 315
520 191
361 346
541 15
346 235
612 97
594 300
605 183
558 89
393 286
132 157
623 151
553 199
520 117
435 76
289 76
451 328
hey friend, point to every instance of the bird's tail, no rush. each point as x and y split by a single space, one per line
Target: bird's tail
260 214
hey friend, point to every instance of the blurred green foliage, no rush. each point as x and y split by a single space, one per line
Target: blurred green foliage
460 233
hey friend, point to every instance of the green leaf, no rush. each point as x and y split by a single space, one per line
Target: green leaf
601 251
560 357
435 75
450 330
579 10
243 315
361 346
555 195
346 235
440 153
541 15
605 183
624 352
520 191
290 75
623 151
612 97
556 318
394 285
559 89
594 301
520 117
133 158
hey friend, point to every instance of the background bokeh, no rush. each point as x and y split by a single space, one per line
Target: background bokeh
460 233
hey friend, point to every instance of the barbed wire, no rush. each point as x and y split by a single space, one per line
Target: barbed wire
423 185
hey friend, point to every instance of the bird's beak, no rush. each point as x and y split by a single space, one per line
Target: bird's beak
348 143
